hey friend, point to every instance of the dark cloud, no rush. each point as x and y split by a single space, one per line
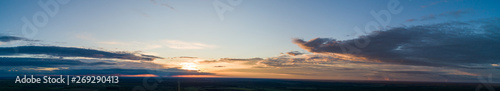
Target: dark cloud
73 52
282 62
318 44
151 56
112 71
294 53
455 44
45 62
45 66
13 38
121 71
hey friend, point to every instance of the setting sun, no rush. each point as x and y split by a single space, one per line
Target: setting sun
189 66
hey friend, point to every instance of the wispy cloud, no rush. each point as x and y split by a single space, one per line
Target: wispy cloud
112 43
434 3
85 36
456 14
143 45
176 44
155 2
188 57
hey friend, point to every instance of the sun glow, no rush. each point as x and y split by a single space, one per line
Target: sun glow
189 66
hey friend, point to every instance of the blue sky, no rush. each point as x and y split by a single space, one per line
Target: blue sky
253 29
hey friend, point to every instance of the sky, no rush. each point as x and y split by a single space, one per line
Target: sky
394 40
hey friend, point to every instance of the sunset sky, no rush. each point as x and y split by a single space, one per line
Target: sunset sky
420 40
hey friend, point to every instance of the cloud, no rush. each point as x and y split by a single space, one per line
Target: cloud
330 66
232 61
112 43
162 4
292 61
219 66
188 57
434 3
240 59
39 60
411 20
453 44
121 71
74 52
308 60
429 17
229 60
176 44
46 66
456 14
45 62
112 71
294 53
13 38
333 66
141 45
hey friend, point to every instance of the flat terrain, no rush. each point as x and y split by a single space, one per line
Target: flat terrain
242 84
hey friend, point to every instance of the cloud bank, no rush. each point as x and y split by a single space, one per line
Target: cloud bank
73 52
112 71
45 62
452 44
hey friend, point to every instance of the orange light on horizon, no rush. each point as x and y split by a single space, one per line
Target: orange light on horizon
140 75
201 76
